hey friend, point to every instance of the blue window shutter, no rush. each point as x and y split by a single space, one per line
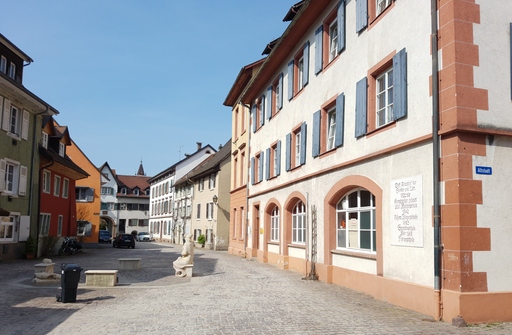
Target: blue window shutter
280 102
361 106
305 76
262 104
361 15
269 103
252 171
303 135
260 166
318 49
253 112
288 152
290 80
278 153
400 85
340 120
267 164
316 133
340 19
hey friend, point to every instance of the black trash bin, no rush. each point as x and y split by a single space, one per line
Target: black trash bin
69 282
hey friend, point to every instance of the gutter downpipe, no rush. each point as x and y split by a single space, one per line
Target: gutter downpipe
248 179
31 182
436 157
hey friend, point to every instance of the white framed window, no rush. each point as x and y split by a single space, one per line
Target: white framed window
15 121
122 206
331 128
198 211
44 223
7 227
333 40
12 70
384 99
278 99
59 225
107 191
123 190
297 147
355 221
84 194
13 177
211 181
381 5
136 191
209 210
62 149
46 181
274 225
44 140
65 188
275 157
3 64
56 186
300 71
299 223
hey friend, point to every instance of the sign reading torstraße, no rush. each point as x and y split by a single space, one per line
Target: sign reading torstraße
406 208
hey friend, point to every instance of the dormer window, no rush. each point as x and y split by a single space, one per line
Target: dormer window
62 149
12 70
123 190
3 64
136 191
44 140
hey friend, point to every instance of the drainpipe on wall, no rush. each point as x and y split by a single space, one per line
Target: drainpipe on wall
436 155
247 180
31 182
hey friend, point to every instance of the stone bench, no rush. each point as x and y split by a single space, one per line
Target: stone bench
44 267
184 271
103 278
129 263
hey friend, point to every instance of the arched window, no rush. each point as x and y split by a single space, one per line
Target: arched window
299 223
355 221
274 225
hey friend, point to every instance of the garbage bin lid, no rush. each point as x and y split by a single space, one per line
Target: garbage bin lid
70 267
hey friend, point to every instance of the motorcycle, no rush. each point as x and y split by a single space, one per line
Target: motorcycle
69 246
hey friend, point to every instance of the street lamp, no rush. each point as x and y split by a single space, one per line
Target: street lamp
215 199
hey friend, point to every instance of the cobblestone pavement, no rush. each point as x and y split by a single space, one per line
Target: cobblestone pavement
226 295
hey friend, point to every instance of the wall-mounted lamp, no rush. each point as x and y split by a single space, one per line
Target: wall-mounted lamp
215 199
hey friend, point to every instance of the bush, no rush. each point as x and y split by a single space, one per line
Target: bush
30 245
201 240
49 243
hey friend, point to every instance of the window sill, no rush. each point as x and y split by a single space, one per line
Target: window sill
273 243
381 129
354 254
327 153
298 246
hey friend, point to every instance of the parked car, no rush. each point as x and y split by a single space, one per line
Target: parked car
124 240
104 236
144 236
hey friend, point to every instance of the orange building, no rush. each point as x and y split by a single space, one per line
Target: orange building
87 191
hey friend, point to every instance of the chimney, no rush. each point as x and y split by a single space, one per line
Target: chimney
199 145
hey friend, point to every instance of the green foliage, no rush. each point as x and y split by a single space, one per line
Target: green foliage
49 243
30 245
201 239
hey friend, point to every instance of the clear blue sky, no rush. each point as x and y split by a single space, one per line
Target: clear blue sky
140 79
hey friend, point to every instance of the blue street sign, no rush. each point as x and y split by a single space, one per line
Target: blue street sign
483 170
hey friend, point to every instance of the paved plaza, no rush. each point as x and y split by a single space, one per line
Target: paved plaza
226 295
